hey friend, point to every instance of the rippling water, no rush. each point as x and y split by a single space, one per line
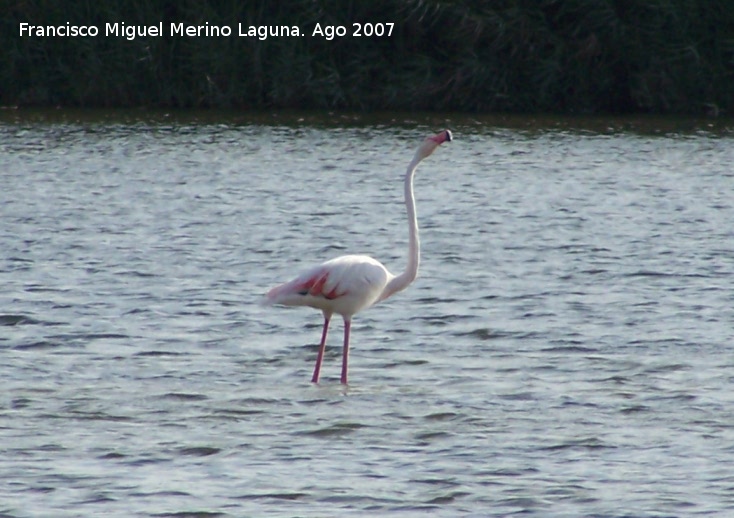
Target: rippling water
566 350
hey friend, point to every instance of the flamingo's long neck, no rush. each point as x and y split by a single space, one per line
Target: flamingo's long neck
403 280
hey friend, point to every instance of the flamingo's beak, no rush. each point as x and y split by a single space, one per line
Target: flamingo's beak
444 136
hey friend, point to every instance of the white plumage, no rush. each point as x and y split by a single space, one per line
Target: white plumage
344 285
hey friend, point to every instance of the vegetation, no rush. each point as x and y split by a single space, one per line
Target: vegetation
565 56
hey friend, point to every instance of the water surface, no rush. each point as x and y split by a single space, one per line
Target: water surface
565 351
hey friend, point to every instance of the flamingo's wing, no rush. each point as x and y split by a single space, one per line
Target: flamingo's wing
314 283
343 285
309 282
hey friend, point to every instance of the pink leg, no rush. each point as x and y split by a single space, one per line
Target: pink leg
320 357
345 354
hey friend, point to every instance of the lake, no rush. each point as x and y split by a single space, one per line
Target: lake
565 351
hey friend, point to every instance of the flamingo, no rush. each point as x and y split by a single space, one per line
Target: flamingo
351 283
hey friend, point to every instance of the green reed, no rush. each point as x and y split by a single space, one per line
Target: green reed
565 56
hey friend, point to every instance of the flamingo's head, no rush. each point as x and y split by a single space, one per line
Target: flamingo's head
431 143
